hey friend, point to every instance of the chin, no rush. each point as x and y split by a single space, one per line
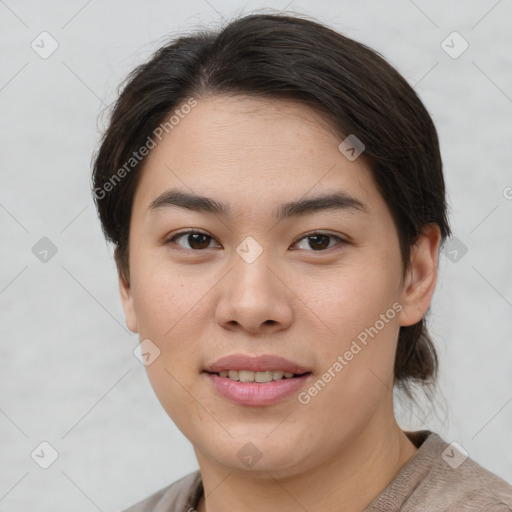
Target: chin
259 456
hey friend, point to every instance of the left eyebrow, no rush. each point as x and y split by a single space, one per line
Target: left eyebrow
333 201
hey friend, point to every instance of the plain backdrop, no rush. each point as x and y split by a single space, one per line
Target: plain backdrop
68 373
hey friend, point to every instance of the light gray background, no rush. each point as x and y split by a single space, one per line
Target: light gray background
68 375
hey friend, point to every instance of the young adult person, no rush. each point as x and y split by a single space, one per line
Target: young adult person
275 194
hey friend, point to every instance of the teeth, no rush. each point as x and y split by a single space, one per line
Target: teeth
263 376
245 376
250 376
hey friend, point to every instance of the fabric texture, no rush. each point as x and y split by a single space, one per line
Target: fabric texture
436 478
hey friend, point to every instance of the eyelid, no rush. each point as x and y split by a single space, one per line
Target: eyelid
169 239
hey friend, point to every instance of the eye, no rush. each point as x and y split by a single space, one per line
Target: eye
197 240
317 240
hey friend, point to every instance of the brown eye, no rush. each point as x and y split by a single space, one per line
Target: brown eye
320 241
196 240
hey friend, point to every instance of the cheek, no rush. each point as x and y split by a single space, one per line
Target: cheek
162 295
168 308
355 297
357 361
361 309
172 310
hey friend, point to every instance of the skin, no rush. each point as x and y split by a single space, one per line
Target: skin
344 447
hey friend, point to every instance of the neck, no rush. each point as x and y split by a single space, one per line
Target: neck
349 480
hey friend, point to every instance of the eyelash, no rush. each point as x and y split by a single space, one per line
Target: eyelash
307 235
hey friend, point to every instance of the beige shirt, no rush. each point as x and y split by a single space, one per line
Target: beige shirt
436 478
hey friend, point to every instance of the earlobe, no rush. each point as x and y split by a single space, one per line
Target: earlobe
421 278
126 294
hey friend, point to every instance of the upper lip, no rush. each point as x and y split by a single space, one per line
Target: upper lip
259 363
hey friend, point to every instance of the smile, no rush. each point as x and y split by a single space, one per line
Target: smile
254 393
251 376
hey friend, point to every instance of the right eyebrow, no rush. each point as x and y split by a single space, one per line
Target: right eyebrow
334 201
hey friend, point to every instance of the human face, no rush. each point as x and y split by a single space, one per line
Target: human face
308 300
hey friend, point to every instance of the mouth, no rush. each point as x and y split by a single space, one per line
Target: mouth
259 377
249 388
256 380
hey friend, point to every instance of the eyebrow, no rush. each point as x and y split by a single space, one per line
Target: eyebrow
333 201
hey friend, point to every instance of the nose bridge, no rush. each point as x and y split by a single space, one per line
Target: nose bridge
252 262
253 295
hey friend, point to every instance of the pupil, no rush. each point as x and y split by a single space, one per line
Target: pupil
325 237
202 246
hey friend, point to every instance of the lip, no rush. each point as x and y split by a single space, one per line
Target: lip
254 393
257 394
259 363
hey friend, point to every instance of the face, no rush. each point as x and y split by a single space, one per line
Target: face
317 283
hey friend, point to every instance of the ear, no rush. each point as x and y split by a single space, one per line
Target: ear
420 281
125 291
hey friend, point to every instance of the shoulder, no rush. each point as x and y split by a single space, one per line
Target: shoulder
180 496
462 482
441 476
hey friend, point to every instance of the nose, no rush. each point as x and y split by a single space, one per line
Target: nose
255 297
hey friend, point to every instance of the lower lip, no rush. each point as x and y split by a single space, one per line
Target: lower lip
254 393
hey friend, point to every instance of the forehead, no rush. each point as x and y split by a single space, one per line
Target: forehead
252 150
